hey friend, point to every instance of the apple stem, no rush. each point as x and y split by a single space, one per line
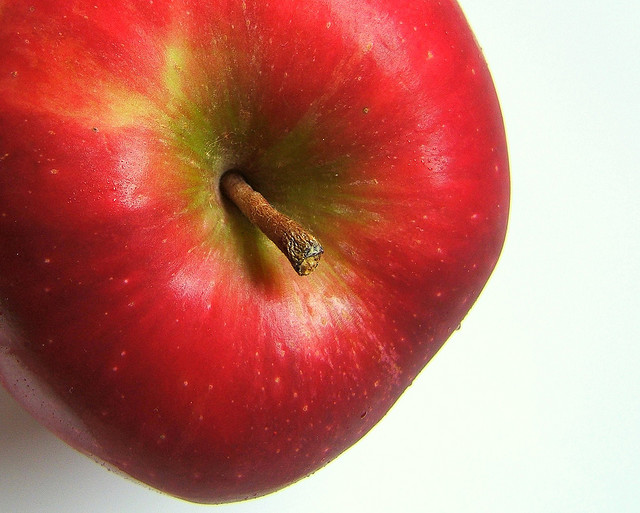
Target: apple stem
301 248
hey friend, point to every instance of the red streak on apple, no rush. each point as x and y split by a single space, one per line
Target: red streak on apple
143 319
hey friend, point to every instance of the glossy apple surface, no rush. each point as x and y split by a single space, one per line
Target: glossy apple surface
143 319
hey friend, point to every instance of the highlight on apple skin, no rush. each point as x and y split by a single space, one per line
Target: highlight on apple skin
147 321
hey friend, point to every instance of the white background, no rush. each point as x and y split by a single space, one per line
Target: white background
534 406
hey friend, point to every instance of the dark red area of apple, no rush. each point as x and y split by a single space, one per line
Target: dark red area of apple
143 319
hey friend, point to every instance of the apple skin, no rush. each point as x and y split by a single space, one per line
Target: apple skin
142 318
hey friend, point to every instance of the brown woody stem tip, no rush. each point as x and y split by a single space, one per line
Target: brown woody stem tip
301 248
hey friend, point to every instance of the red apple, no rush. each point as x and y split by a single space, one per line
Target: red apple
143 318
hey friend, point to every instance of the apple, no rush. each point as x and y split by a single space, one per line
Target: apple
151 324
